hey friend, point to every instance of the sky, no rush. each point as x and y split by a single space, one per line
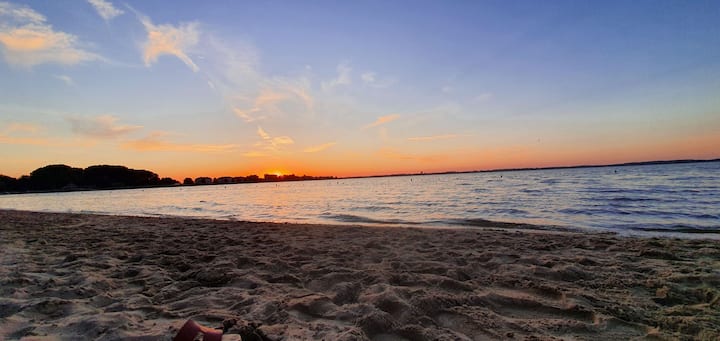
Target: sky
351 88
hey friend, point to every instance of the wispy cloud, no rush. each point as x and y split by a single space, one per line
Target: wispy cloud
319 148
434 137
67 79
169 40
371 78
368 77
105 9
28 40
269 100
156 142
282 140
382 120
22 127
21 133
5 139
271 143
343 77
103 127
263 134
254 154
483 97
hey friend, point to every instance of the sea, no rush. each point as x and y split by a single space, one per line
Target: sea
668 200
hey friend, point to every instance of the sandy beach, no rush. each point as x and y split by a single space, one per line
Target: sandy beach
92 277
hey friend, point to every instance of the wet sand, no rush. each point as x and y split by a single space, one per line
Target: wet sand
75 276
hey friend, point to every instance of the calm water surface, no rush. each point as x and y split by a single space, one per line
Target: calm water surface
680 198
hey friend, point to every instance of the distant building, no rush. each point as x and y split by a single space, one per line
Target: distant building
203 180
224 180
270 177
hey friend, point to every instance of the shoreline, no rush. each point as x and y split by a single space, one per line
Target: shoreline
455 224
71 275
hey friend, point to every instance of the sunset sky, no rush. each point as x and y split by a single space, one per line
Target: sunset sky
346 88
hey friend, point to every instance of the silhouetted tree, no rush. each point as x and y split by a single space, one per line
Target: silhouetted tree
54 177
105 176
188 181
8 184
63 177
168 182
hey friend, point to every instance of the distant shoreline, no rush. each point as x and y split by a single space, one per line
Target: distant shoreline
626 164
497 170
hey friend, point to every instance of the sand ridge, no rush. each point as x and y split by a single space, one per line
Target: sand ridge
75 276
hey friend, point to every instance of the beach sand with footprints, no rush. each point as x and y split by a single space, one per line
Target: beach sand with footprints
77 276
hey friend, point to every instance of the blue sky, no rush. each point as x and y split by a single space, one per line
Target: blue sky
353 88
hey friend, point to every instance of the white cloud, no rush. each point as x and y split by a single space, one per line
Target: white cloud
343 77
169 40
104 126
67 79
368 77
28 40
371 78
105 9
20 13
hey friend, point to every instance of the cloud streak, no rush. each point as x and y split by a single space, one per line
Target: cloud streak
269 143
275 99
433 138
156 142
169 40
105 9
382 120
319 148
28 40
101 127
263 134
67 79
19 133
371 79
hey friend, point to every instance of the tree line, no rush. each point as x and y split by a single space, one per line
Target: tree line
66 178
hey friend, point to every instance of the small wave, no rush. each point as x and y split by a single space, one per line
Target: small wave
527 190
630 199
607 211
373 208
350 218
479 222
674 229
513 211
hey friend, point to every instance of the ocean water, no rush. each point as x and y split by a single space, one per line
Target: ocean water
677 199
